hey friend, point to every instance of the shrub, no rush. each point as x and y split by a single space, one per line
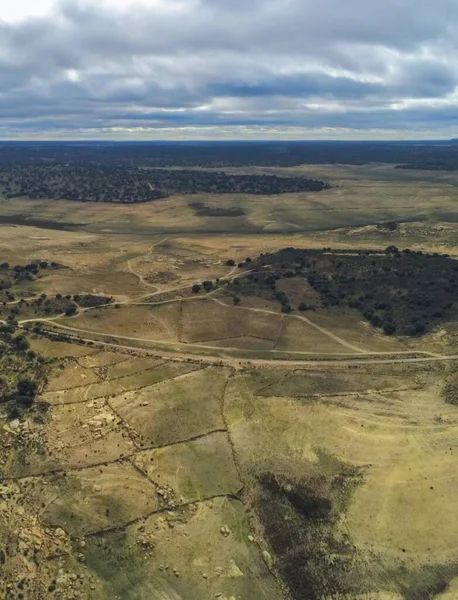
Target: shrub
389 329
21 343
26 387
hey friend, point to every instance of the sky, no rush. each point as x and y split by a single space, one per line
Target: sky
228 69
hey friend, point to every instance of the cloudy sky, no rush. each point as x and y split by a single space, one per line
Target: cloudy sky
198 69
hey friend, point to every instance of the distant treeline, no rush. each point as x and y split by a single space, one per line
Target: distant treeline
141 172
418 155
117 183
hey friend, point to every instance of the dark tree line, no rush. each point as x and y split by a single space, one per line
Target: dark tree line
436 155
112 183
22 371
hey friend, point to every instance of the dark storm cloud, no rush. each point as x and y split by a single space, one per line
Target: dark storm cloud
309 64
425 78
303 85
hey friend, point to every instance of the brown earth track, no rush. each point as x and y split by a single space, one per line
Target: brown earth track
241 362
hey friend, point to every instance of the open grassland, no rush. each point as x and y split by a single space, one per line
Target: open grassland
159 323
183 556
189 446
161 479
400 443
198 323
365 195
195 470
186 407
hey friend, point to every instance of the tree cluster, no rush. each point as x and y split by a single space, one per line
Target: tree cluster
401 292
92 301
22 371
127 184
85 183
41 306
13 275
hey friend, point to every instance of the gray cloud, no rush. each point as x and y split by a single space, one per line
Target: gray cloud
359 65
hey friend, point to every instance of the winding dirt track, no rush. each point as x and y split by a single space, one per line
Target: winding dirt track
328 333
177 350
235 362
141 279
314 325
176 346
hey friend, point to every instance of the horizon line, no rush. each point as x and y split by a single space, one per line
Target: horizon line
225 141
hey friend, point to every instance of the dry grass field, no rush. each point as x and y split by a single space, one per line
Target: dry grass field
186 447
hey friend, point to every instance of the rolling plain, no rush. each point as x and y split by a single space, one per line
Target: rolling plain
212 443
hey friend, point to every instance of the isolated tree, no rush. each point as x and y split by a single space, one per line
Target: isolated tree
26 387
21 343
